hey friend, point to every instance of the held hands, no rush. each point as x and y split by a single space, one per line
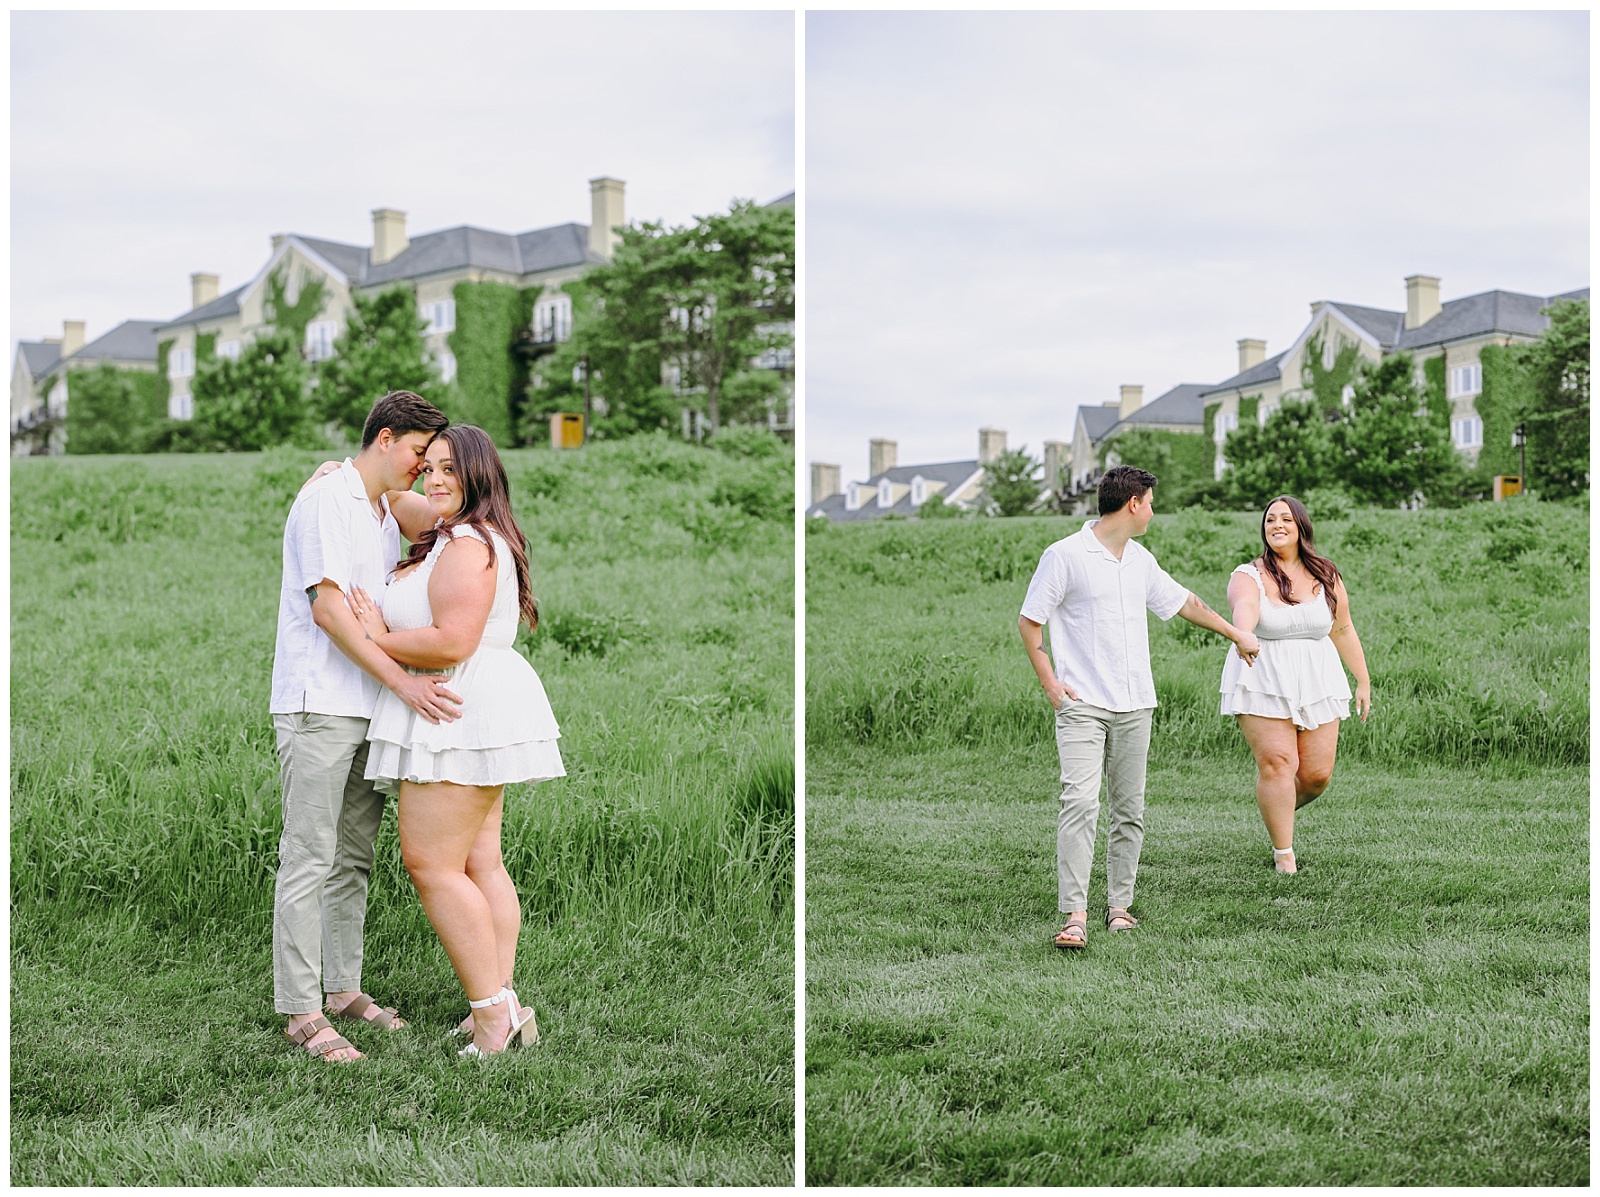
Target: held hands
1248 647
1364 699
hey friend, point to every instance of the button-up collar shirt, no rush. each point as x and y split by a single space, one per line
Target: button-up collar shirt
332 533
1094 606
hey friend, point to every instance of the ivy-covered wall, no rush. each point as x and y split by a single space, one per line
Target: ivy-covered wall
1433 390
1506 397
1211 421
205 347
1181 461
164 385
489 381
1249 406
292 318
1328 384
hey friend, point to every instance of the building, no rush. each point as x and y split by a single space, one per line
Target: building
224 322
893 489
1180 409
40 381
1457 331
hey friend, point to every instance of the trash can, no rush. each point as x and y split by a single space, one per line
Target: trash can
566 430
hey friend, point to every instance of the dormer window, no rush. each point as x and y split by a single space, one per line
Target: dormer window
885 493
853 496
919 491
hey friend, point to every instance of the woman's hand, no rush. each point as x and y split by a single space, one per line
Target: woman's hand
1363 699
323 471
367 612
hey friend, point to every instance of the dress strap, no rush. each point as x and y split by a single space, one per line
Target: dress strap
1249 568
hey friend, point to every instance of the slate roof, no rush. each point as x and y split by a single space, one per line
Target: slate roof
1491 311
1098 420
783 201
1260 372
39 355
462 247
952 473
1383 325
1181 405
130 341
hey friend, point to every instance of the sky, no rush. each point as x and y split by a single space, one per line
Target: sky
147 146
1009 215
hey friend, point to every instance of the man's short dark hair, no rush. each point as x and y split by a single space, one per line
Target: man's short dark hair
1121 483
402 412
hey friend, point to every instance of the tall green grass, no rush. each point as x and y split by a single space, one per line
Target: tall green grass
144 595
1475 624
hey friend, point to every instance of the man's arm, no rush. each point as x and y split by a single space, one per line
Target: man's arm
1196 612
427 696
1033 641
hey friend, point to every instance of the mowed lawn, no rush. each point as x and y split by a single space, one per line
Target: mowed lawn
656 879
1412 1008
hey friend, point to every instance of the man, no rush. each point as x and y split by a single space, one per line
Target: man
1093 589
325 678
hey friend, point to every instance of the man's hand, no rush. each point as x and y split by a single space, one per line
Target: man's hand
1056 692
1248 647
426 695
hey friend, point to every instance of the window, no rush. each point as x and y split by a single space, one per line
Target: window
229 350
447 364
885 493
853 496
552 318
180 407
319 339
56 404
919 491
1330 350
1467 432
1466 380
441 316
1226 422
1347 396
672 376
180 363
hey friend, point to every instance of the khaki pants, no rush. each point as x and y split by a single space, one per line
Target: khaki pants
1092 741
331 815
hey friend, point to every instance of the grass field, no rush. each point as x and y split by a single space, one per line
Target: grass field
1411 1009
656 879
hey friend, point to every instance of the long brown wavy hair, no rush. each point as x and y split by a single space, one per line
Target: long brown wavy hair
485 504
1319 567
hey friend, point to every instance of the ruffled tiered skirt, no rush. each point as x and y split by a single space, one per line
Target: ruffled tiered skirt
1296 679
506 733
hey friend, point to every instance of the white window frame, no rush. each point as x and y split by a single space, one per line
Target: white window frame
885 493
229 350
320 336
1466 380
919 491
440 315
552 318
180 406
180 363
852 495
1227 421
1467 432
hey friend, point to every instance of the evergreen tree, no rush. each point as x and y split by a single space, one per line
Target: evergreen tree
103 411
380 350
256 402
1012 482
1557 367
1291 453
1388 444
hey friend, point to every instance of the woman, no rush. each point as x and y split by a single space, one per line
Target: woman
1289 704
453 606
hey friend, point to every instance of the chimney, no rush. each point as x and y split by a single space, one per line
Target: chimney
1132 401
1057 456
605 214
882 456
824 482
991 443
1252 352
1422 299
71 337
202 289
388 235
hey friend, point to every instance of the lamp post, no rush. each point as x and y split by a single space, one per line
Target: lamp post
1519 442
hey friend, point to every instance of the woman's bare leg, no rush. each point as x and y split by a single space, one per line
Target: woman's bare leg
487 869
439 823
1273 741
1317 748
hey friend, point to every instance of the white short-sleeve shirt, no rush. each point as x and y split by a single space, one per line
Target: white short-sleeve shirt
1094 606
332 533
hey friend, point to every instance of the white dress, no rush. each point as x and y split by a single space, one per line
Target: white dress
1298 675
506 732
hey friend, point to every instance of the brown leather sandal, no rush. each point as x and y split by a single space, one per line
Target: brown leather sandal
386 1019
1075 942
1116 914
302 1037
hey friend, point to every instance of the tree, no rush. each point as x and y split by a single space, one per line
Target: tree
256 402
1012 482
1557 366
1291 453
1181 461
702 300
380 350
1388 443
103 413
